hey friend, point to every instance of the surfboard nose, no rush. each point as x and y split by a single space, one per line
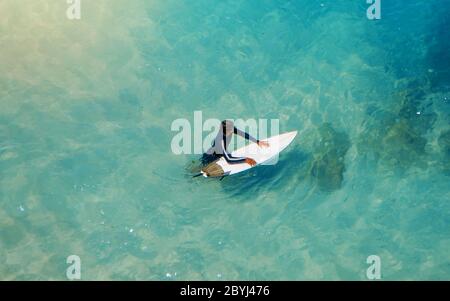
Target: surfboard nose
292 134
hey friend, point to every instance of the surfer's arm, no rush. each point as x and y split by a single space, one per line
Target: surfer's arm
245 135
249 137
235 160
230 159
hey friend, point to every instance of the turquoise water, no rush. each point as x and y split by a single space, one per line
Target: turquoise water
86 166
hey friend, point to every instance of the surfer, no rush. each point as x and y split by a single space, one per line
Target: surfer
221 142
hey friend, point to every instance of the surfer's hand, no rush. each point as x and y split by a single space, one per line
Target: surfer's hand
263 144
250 161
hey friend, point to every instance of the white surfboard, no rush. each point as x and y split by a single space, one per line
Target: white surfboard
260 154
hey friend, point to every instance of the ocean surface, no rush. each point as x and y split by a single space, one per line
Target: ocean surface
86 166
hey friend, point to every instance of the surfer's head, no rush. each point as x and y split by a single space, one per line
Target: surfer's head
228 127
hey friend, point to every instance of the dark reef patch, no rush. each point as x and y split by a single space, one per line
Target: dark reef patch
397 138
438 54
402 144
328 165
444 145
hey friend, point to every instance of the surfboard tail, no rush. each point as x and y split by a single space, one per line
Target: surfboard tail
213 170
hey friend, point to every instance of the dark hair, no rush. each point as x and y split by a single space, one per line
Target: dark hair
227 126
227 123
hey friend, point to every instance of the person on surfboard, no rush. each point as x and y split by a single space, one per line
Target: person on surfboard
221 142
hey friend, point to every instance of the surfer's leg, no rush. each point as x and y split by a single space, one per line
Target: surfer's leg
208 158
